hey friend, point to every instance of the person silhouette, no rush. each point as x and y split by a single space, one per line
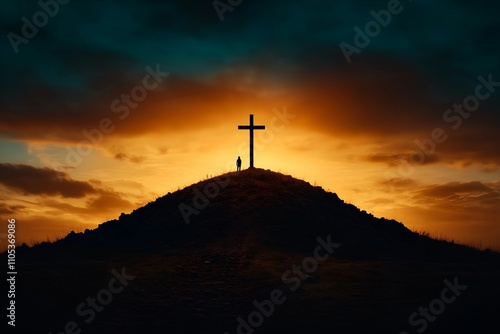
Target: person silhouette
238 164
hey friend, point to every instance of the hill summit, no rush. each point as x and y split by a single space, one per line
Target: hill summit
261 207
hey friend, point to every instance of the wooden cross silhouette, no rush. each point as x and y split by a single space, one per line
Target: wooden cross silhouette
251 127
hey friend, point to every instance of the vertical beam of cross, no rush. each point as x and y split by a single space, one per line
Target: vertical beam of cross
251 127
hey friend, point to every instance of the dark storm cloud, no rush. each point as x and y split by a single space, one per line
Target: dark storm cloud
466 206
42 181
476 142
105 201
456 191
88 40
427 58
50 184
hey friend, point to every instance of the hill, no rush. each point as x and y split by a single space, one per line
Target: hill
254 251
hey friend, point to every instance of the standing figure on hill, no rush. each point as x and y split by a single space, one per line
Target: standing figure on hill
238 164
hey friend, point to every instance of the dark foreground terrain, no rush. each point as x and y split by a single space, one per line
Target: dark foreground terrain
250 261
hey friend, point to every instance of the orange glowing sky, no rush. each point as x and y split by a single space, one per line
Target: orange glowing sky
350 128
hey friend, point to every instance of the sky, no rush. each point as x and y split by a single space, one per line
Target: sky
107 105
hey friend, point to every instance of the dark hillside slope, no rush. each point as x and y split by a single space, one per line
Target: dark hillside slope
277 210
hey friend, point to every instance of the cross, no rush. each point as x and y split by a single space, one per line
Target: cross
251 127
